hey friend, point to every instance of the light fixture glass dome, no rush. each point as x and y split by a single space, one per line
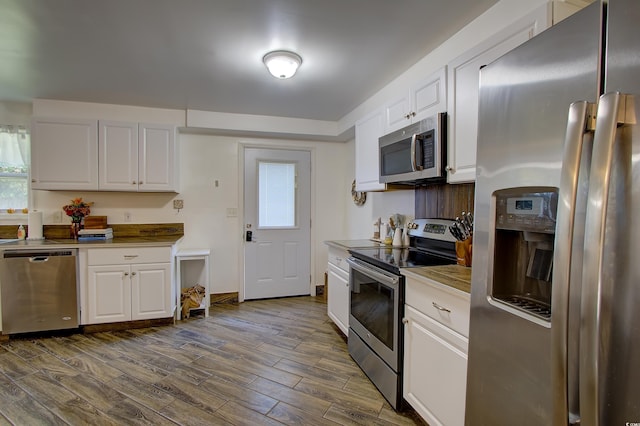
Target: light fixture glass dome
281 63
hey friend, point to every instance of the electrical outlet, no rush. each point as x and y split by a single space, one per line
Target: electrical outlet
127 216
178 204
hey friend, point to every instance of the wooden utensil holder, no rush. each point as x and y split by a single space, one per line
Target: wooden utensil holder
463 251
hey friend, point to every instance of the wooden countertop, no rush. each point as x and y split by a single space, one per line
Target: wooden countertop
454 276
115 242
126 235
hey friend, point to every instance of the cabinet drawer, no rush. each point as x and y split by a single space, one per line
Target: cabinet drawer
119 256
338 258
445 306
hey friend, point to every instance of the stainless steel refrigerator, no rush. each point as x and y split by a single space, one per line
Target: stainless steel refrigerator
555 298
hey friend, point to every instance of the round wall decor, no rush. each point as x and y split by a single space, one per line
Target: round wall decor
359 198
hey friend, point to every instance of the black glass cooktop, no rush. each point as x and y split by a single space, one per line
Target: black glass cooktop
390 257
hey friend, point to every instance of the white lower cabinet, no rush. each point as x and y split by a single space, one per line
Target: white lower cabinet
128 284
435 352
338 294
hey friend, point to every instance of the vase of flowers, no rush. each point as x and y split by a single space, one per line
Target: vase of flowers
77 210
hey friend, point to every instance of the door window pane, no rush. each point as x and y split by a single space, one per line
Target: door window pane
276 194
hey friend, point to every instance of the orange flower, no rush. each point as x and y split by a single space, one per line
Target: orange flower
77 209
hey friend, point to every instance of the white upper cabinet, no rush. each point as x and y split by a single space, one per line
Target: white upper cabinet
64 154
368 130
157 158
426 98
464 79
118 153
137 157
103 155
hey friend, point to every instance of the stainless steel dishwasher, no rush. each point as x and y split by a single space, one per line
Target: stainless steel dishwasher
38 290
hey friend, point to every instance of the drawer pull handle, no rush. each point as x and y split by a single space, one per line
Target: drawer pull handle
440 308
130 256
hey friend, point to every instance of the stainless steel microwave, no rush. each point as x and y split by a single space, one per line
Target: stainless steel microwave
415 154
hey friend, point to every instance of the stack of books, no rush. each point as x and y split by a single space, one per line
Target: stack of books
95 234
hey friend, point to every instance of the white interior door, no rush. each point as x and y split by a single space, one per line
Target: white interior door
277 218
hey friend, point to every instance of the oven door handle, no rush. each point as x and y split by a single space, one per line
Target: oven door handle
377 274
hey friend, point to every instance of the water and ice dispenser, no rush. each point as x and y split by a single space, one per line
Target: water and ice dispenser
525 223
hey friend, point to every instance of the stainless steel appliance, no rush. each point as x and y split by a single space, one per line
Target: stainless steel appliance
377 300
557 196
38 290
416 153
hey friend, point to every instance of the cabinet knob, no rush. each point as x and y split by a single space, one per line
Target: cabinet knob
450 169
408 116
413 113
33 181
140 183
405 320
133 274
133 183
126 274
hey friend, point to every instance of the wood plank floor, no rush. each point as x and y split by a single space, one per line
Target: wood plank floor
267 362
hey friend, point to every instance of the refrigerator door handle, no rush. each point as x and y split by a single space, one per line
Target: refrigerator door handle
612 113
579 122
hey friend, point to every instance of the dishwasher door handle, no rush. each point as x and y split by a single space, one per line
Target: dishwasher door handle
38 259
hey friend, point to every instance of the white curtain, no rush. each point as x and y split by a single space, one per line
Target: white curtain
14 167
14 147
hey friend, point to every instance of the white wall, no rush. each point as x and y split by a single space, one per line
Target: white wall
207 158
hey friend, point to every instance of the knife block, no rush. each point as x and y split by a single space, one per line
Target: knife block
463 251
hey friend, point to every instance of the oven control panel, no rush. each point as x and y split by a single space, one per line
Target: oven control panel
436 229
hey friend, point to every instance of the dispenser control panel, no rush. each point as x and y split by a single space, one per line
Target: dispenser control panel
526 210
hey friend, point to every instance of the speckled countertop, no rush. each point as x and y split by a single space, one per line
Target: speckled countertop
455 276
350 244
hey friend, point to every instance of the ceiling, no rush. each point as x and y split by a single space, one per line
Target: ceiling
207 54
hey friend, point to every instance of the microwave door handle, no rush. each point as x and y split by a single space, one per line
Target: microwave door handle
414 155
579 122
595 312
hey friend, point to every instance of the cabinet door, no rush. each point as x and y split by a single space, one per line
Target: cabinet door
64 154
424 99
435 369
368 130
150 291
397 113
109 294
338 298
118 154
429 96
157 160
464 80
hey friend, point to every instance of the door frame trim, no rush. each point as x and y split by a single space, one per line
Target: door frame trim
277 145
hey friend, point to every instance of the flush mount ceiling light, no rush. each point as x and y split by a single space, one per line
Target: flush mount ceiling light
282 64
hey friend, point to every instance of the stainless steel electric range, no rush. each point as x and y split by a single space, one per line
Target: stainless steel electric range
377 300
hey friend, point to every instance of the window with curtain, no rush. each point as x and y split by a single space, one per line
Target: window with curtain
14 169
